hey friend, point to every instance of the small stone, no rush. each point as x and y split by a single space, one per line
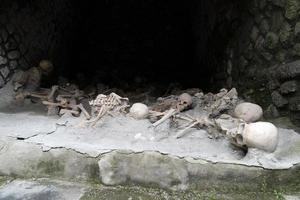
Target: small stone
278 100
285 34
277 20
279 3
294 103
288 87
259 42
248 54
3 60
254 33
243 63
297 49
295 118
281 56
297 29
273 84
258 18
10 28
13 65
2 52
264 26
262 4
13 54
271 112
2 82
271 40
4 71
3 35
249 112
267 56
291 9
11 44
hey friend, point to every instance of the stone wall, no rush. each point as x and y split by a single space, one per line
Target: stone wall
262 54
30 31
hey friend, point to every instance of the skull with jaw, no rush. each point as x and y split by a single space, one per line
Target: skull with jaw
236 135
184 102
260 135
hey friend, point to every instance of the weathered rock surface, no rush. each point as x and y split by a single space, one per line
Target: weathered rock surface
289 87
295 104
278 100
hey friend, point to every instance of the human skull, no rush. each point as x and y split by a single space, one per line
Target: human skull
139 111
248 112
236 135
184 101
46 66
260 135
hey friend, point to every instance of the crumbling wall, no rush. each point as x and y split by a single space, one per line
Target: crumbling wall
268 38
30 31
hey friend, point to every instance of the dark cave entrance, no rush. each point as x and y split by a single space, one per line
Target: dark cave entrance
128 44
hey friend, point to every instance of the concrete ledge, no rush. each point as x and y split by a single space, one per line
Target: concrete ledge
21 159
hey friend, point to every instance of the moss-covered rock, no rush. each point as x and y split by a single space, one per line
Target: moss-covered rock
271 40
296 49
285 34
291 9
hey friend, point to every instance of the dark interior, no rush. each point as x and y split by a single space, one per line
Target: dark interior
149 42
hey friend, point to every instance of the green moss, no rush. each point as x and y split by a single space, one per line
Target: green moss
4 179
285 34
51 167
271 40
291 9
99 192
297 49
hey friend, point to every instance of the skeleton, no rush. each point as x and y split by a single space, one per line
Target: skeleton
225 100
25 82
64 100
214 106
183 102
192 122
104 104
217 104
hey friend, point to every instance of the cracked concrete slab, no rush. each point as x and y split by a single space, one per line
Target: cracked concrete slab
125 133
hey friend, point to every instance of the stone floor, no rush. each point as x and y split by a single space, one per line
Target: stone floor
49 189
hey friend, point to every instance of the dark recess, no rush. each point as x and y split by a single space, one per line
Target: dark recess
151 42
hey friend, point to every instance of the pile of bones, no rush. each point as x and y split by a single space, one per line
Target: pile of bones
221 114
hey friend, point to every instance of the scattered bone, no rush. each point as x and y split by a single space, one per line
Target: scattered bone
192 122
176 104
65 111
168 114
